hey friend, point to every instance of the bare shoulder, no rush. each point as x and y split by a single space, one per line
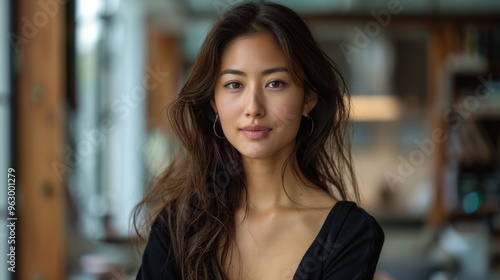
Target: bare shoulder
315 207
317 199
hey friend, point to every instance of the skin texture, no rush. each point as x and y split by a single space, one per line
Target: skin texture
255 98
254 88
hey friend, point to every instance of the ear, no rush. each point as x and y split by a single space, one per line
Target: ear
212 103
311 100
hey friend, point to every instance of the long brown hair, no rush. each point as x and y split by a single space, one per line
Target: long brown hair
197 195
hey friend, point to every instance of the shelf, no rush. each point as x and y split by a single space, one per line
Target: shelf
466 64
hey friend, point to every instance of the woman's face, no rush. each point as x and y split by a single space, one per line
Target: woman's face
259 105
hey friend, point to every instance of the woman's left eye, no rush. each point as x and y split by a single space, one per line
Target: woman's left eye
276 84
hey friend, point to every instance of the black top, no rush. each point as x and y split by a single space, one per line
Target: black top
347 247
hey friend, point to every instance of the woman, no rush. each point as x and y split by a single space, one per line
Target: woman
261 188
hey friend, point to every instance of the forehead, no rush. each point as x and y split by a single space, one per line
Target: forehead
252 51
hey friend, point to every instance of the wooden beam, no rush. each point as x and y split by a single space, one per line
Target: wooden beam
40 82
163 54
440 47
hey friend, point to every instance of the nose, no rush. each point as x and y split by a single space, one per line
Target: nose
254 103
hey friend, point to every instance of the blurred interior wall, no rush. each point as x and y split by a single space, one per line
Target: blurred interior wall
129 80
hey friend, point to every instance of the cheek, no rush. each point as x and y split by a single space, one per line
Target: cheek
287 112
221 103
227 113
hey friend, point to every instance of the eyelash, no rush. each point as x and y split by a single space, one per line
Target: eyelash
232 83
228 85
282 84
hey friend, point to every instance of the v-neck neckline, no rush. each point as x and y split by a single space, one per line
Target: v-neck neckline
325 227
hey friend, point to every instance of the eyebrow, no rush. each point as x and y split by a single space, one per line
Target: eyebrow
264 73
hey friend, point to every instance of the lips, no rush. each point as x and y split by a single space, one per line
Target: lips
255 131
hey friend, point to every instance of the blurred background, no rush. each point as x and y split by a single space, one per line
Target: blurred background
84 85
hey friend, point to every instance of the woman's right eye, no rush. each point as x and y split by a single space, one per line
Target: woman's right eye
233 85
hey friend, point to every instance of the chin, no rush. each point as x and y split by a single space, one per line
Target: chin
255 154
255 150
263 149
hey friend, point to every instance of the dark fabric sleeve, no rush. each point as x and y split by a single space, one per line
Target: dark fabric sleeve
157 260
357 248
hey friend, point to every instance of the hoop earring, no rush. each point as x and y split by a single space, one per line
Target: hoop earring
213 127
312 125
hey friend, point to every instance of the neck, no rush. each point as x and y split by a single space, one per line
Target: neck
269 186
